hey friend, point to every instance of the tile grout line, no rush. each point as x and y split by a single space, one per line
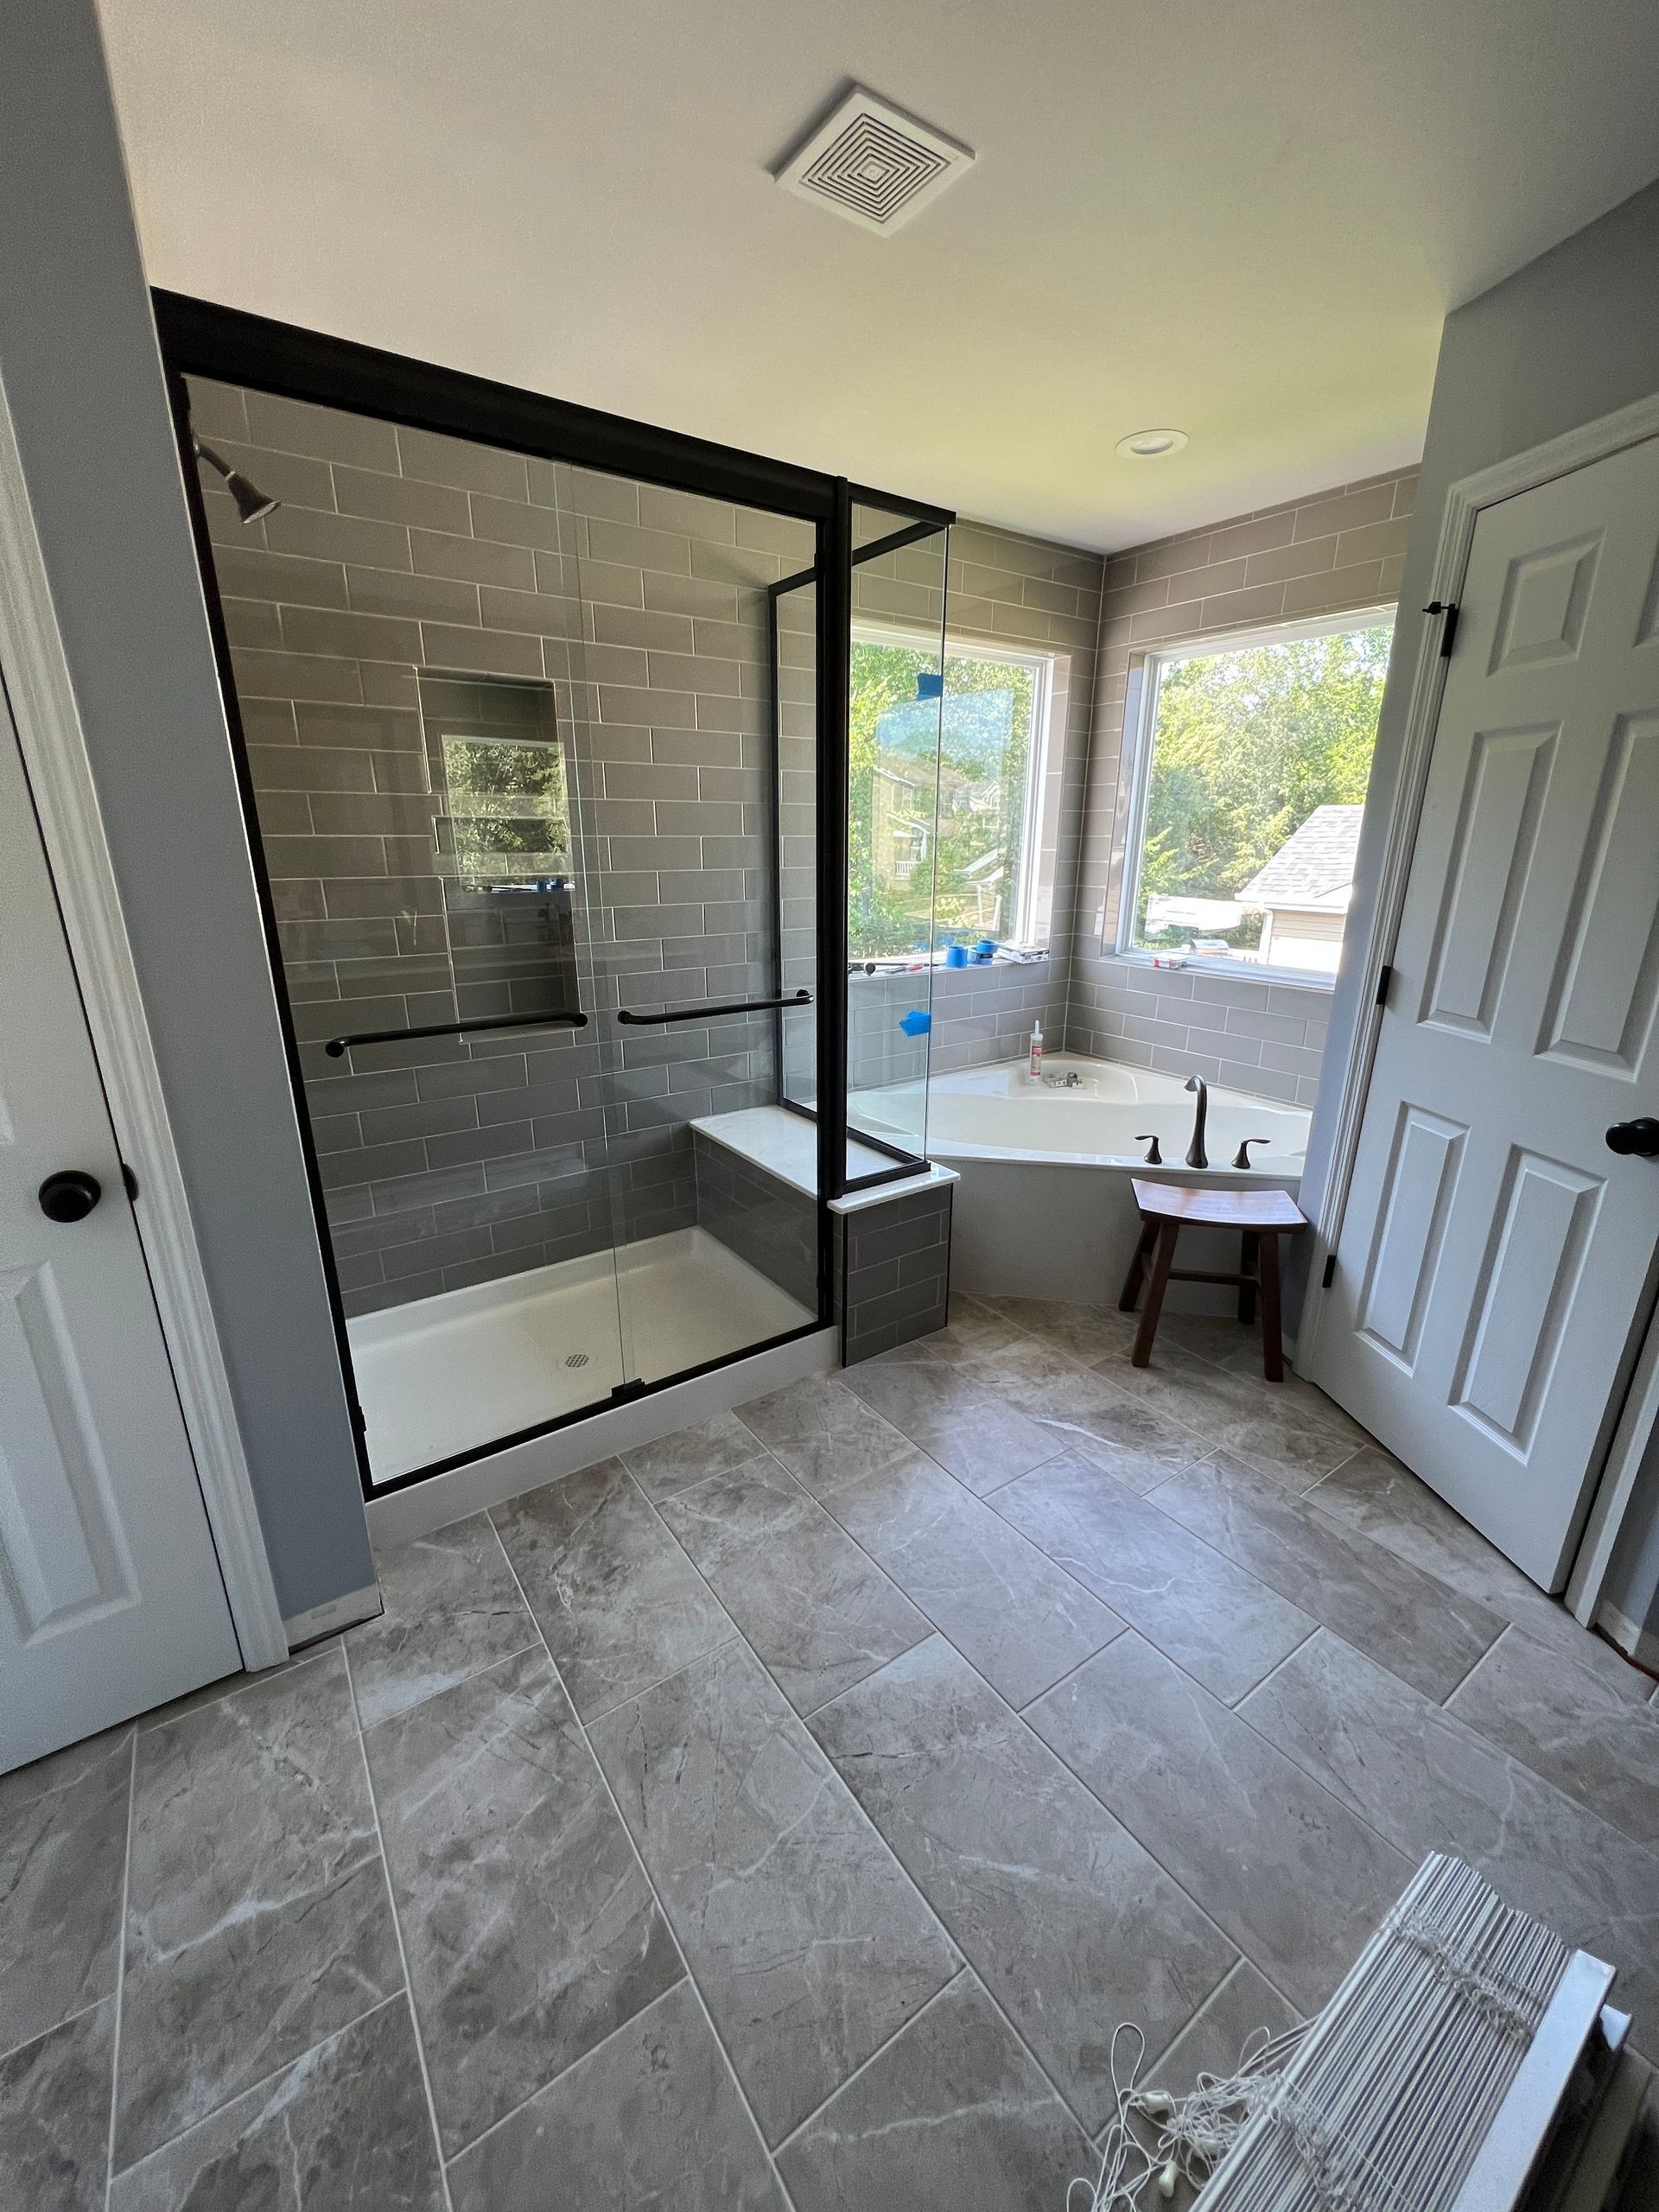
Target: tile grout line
646 1874
738 1636
1492 1604
565 2072
1020 1718
1153 1855
1036 1550
870 1823
207 2119
645 1689
1014 1712
472 1674
978 1498
1308 1774
859 1810
1123 1629
121 1966
1199 2012
235 1685
1098 1370
1473 1667
1350 1533
885 2045
398 1930
39 2034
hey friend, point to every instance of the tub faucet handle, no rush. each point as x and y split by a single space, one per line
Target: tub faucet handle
1242 1157
1155 1158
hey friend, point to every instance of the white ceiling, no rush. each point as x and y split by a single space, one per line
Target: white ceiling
1246 218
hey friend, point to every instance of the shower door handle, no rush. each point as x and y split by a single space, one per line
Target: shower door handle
709 1013
336 1046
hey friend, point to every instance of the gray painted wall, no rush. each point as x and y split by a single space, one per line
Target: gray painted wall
1571 336
83 379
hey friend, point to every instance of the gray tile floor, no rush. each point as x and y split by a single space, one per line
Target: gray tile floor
787 1816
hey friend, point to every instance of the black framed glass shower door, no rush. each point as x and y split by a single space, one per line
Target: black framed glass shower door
503 726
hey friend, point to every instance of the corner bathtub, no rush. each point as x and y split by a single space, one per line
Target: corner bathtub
1044 1208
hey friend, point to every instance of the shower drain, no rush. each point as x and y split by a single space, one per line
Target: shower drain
575 1359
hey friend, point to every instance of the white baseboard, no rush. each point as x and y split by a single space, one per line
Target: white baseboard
1637 1643
326 1619
403 1514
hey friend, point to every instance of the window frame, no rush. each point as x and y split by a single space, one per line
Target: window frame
1139 735
873 630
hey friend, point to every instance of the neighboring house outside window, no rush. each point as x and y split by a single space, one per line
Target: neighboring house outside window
1250 760
1304 892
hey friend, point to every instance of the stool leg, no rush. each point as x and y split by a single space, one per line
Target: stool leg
1249 1262
1273 1351
1163 1260
1137 1267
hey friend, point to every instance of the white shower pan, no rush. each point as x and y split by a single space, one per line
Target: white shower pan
470 1368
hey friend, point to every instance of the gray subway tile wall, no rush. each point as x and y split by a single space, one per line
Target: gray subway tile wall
1337 550
764 1221
408 579
891 1263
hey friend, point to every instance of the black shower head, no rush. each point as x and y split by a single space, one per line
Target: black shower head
250 501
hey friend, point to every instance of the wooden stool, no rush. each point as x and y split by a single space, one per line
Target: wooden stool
1262 1218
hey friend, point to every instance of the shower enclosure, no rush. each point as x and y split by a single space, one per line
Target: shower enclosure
542 724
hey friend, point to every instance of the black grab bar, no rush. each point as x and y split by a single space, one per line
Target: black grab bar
337 1046
708 1013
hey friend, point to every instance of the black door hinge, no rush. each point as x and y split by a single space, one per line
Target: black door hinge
1449 627
1384 984
634 1389
1330 1275
129 1182
359 1422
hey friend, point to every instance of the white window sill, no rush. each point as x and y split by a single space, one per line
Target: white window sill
1199 963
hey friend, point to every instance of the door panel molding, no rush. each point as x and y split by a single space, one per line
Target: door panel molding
63 1554
37 679
1465 500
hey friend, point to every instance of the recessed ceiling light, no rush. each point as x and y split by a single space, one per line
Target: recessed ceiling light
1150 445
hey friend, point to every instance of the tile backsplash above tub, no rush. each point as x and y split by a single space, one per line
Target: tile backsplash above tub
1260 1037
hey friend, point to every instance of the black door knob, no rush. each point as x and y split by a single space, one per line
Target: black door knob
1640 1136
70 1195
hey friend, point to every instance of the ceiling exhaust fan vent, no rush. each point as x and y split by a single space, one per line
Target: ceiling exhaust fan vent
872 164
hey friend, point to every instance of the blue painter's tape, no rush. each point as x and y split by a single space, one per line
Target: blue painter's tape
929 687
916 1023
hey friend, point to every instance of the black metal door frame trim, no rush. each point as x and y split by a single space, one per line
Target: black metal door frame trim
200 338
205 338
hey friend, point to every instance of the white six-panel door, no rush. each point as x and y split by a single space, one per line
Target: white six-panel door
111 1600
1496 1258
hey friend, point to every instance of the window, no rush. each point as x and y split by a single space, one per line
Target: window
506 814
1252 762
944 812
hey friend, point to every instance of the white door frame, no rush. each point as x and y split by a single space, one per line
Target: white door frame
48 721
1465 500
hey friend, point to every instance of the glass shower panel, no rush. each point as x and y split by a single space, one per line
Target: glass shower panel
671 692
397 640
898 590
795 730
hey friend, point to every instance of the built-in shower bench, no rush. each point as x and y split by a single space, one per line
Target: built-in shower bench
756 1191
